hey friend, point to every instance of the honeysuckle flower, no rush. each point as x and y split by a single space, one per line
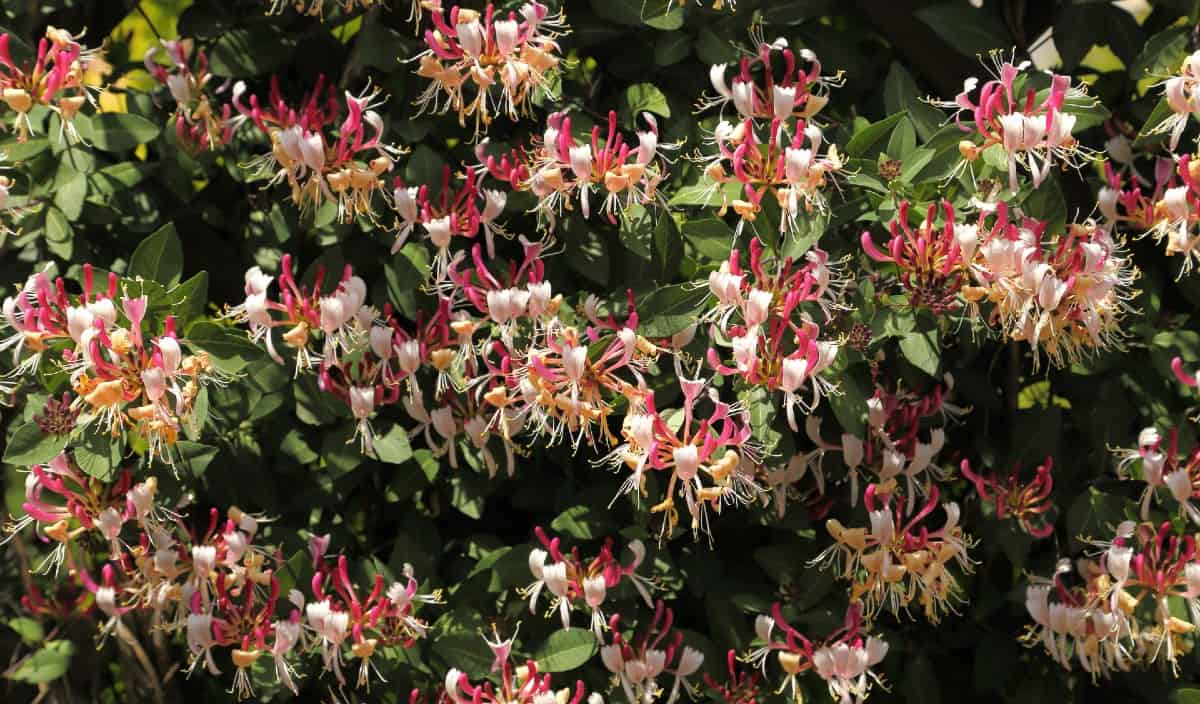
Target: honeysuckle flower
120 378
1170 214
1027 502
514 685
711 459
1182 92
1064 294
741 686
322 160
893 447
791 169
1164 465
757 93
775 343
897 560
931 262
843 659
1116 614
578 583
42 313
1031 129
638 663
483 64
563 170
201 123
463 212
54 80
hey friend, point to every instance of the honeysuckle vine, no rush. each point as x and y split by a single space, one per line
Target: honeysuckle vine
812 315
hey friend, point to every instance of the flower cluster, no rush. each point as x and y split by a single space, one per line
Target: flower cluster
775 343
843 659
787 162
214 584
893 448
1065 294
56 80
362 355
321 159
121 378
199 125
717 448
637 662
898 558
929 262
452 212
575 583
517 685
563 170
1031 129
1114 615
791 169
756 93
1009 497
1182 92
1163 465
1170 215
482 65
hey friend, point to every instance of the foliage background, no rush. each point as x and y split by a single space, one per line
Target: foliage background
280 447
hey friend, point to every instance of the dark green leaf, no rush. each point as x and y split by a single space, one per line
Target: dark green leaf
566 650
119 131
46 665
159 257
864 141
29 446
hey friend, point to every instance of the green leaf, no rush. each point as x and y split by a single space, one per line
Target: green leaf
583 523
566 650
867 138
637 231
920 680
1047 203
424 166
30 630
45 665
250 51
159 257
29 446
968 30
667 310
195 457
465 651
404 275
1162 110
627 12
921 349
672 48
1163 53
646 97
901 94
58 226
121 131
70 194
667 21
392 447
227 347
809 228
98 455
850 406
